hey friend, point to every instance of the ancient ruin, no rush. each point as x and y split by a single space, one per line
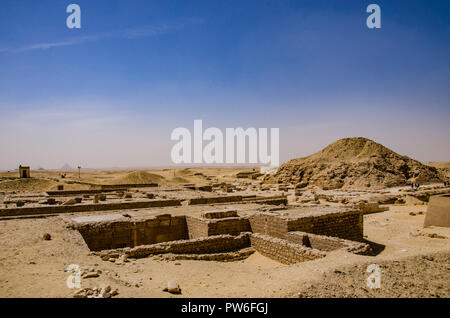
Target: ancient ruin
107 224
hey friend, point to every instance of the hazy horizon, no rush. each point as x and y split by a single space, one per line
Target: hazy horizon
110 94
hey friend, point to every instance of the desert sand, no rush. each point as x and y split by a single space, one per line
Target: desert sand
414 262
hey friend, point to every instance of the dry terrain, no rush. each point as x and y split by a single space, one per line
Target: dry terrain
412 265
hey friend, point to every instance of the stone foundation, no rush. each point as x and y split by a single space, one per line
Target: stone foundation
199 227
206 245
122 232
88 207
342 224
283 251
285 237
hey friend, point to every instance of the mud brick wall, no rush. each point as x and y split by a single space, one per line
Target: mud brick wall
345 225
198 227
232 226
223 199
219 214
328 243
213 244
268 224
283 251
371 207
88 207
318 242
76 192
131 185
276 200
120 234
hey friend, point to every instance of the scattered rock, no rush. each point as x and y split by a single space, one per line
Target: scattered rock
70 202
434 235
46 237
173 287
20 204
91 275
96 292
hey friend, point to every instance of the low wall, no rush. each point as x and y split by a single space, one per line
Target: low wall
124 233
213 244
283 251
198 227
130 185
268 224
371 207
347 225
328 243
76 192
88 207
219 214
212 200
274 200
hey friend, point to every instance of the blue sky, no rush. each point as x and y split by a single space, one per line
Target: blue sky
110 93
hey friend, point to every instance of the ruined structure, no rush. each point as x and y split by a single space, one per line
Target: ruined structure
24 172
287 237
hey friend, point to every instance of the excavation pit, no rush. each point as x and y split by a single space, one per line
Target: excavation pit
224 235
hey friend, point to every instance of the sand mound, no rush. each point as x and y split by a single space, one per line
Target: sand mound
179 180
31 184
185 172
139 177
444 167
354 163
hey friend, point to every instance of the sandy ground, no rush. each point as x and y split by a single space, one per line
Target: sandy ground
33 267
49 180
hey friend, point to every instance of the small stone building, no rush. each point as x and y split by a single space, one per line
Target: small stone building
24 172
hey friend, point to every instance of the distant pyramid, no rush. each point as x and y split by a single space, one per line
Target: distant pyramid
354 163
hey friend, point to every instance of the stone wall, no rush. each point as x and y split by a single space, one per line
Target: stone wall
199 227
328 243
347 225
273 200
88 207
371 207
269 224
79 192
207 245
121 233
283 251
219 214
212 200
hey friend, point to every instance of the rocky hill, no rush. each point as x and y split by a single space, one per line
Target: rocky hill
354 163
